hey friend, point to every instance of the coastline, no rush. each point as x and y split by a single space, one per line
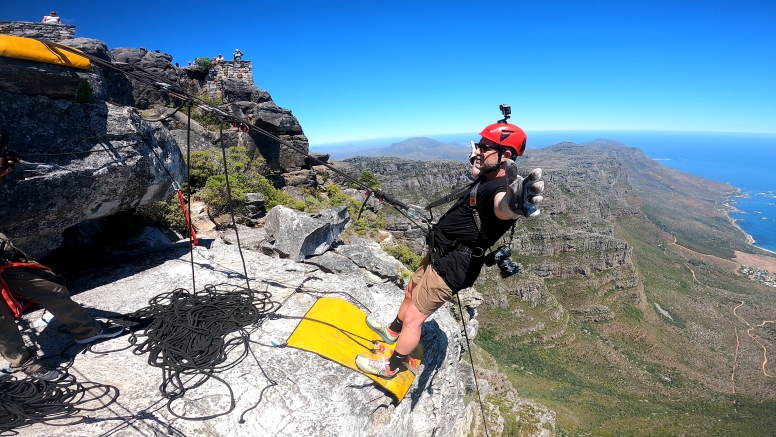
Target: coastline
730 208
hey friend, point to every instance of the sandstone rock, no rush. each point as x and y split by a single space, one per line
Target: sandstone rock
21 76
115 85
254 203
298 235
331 262
101 162
370 256
281 382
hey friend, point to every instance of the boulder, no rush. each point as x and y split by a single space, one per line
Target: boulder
298 235
254 203
157 64
369 255
235 90
21 76
115 85
331 262
79 162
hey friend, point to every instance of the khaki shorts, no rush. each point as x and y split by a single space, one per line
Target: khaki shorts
429 291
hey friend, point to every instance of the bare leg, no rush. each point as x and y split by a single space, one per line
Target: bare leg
410 333
407 302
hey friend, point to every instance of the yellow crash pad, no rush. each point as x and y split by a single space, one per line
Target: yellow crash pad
335 329
34 50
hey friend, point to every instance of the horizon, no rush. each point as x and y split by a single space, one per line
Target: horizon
394 139
353 71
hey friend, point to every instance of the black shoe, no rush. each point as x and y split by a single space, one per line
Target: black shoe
45 374
108 330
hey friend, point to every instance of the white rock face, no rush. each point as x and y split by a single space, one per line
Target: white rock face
298 393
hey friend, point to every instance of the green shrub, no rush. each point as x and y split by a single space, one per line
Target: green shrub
245 176
410 259
203 63
203 117
164 214
84 93
367 178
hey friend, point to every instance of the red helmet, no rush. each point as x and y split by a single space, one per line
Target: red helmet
506 135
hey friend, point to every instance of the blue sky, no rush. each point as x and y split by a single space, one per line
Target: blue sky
377 69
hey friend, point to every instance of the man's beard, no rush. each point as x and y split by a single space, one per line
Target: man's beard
486 167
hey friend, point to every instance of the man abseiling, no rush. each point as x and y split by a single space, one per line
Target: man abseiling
458 242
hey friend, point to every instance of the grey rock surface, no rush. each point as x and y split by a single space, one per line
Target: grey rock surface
331 262
296 393
369 255
298 235
21 76
79 162
115 86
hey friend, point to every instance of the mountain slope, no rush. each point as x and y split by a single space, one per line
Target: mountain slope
622 320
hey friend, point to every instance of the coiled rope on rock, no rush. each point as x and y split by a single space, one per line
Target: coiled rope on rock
29 401
189 336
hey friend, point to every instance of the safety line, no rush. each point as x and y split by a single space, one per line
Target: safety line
471 357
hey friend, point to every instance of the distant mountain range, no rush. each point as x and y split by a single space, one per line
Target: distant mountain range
418 149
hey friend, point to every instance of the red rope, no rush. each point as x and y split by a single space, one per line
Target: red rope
188 219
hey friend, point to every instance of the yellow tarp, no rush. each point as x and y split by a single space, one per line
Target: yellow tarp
337 330
33 50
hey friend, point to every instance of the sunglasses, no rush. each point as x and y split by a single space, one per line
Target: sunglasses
484 147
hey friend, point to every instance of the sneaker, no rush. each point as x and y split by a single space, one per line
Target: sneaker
45 373
386 334
108 330
375 367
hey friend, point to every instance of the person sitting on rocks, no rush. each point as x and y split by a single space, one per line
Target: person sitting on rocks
237 55
21 278
218 60
51 18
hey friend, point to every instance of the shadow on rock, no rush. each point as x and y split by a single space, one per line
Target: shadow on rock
434 342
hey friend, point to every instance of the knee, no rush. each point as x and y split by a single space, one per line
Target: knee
413 318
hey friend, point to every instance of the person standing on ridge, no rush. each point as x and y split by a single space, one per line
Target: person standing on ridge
21 278
457 243
51 18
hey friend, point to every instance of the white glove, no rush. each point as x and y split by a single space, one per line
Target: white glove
523 194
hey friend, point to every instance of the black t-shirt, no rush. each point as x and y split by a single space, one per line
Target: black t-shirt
458 223
459 269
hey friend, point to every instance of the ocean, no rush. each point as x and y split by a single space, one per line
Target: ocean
746 161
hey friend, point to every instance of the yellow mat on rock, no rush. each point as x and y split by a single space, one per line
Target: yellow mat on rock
34 50
335 329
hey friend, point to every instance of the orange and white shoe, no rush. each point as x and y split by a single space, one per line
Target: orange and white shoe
375 367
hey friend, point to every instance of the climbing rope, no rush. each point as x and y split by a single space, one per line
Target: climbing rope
190 335
29 401
471 358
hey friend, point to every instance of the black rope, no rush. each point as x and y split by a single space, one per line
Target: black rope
167 116
189 336
59 403
229 202
476 384
188 190
86 152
